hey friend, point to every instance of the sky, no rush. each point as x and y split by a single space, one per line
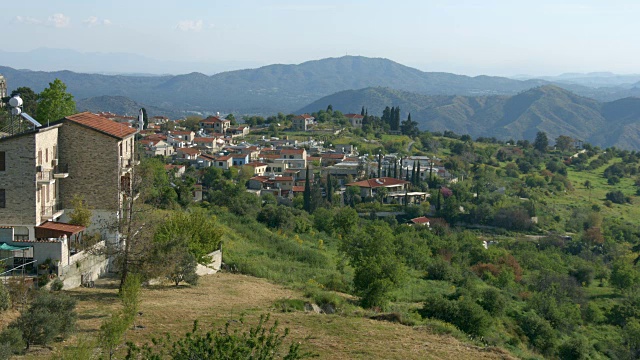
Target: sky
493 37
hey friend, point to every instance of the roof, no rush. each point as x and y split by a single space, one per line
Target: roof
332 156
291 151
190 151
213 120
354 116
207 157
64 228
223 158
283 178
296 189
204 139
256 164
181 132
101 124
420 220
303 116
378 182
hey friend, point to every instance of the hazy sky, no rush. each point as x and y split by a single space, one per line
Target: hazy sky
541 37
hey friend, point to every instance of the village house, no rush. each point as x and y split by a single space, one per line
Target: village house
259 169
355 120
294 158
395 190
156 147
223 162
186 136
176 170
239 159
422 221
187 153
215 124
302 122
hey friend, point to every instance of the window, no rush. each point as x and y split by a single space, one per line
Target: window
3 199
3 164
40 157
46 156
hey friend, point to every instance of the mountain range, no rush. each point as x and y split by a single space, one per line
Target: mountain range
480 105
548 108
270 88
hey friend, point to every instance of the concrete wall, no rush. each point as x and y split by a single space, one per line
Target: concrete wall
93 264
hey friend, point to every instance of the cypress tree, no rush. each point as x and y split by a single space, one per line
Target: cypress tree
362 111
307 192
418 179
413 174
329 189
379 165
395 169
438 203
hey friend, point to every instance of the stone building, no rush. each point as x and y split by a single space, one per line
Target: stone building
30 178
3 89
99 154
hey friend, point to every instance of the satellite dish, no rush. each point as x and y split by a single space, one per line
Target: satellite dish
15 102
16 110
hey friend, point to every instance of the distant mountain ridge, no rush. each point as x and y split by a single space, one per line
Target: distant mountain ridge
547 108
270 88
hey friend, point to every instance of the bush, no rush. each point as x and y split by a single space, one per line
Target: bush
11 343
493 301
539 331
57 285
48 317
465 314
5 298
616 197
259 342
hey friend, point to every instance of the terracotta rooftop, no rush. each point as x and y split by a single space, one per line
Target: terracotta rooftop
296 189
213 120
291 151
61 227
204 139
420 220
101 124
354 116
190 151
378 182
283 178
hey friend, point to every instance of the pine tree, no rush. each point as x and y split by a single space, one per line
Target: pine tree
307 192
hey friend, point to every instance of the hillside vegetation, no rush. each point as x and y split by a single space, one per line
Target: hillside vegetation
548 108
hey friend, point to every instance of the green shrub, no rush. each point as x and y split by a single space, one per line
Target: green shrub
493 302
289 305
57 285
465 314
5 298
11 343
539 331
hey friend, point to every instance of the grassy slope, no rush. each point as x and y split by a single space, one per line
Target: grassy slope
223 296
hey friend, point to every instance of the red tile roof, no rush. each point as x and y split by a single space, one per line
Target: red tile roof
189 151
223 158
292 151
204 139
181 132
61 227
303 116
296 189
332 156
420 220
100 124
283 178
213 120
354 116
378 182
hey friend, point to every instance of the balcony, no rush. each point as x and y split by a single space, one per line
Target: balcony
61 171
52 211
45 177
127 164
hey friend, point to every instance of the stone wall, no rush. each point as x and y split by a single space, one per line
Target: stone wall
93 161
18 180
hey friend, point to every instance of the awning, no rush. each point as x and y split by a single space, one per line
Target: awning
7 247
57 229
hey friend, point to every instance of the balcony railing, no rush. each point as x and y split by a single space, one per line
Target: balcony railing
45 177
50 211
61 171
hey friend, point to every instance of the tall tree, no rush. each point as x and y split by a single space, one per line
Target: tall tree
54 102
379 164
395 169
418 178
362 111
542 142
395 125
413 174
307 192
145 119
329 189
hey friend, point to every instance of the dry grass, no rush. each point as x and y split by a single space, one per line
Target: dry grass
222 297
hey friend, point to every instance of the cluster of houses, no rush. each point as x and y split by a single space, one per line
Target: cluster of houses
92 156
